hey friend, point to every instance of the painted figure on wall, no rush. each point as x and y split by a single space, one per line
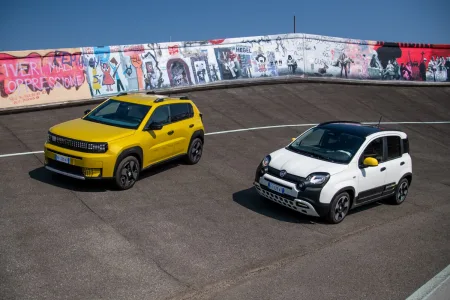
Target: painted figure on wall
214 72
108 80
96 84
150 76
406 71
178 72
129 73
292 64
200 68
153 74
344 62
228 64
447 67
115 68
134 53
261 64
271 64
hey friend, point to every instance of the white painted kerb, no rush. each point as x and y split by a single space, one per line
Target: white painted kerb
437 288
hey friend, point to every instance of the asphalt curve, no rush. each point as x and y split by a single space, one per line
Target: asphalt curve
200 232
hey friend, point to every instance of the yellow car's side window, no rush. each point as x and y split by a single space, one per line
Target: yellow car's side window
160 115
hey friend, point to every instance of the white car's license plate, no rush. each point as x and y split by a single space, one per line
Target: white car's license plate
63 159
276 187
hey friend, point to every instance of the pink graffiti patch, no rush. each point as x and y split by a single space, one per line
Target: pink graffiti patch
57 69
173 50
217 41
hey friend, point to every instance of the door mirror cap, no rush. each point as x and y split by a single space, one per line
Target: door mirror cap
370 162
154 126
87 111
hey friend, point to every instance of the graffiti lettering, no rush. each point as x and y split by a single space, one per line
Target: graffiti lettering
243 49
35 71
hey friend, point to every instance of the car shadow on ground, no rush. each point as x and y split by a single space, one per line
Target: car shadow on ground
45 176
250 199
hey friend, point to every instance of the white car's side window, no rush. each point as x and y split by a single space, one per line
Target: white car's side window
373 149
394 147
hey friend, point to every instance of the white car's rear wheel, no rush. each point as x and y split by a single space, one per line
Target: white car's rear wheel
401 191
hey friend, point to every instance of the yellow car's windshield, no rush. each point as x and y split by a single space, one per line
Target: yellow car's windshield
117 113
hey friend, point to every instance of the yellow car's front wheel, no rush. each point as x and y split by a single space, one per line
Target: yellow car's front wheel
127 173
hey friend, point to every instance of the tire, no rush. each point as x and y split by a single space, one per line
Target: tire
127 173
339 208
401 191
195 151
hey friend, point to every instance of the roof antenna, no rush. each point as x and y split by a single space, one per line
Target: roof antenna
379 121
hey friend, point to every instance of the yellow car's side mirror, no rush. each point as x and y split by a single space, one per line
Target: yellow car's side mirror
370 162
293 139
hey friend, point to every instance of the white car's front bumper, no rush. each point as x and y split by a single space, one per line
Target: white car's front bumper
290 199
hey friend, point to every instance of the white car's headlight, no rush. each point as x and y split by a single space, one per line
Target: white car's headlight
317 178
265 162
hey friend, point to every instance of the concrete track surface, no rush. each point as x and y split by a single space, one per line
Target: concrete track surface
201 232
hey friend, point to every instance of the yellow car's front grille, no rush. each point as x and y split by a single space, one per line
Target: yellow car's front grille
77 145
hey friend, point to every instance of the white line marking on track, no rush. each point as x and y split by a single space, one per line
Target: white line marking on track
263 127
20 153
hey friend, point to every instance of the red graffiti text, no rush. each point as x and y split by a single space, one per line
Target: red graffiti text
57 69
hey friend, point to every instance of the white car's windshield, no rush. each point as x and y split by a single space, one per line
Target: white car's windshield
119 113
327 144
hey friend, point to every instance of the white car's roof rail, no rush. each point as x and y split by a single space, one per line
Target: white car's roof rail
337 122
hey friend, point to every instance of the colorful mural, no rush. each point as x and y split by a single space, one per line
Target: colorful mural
37 77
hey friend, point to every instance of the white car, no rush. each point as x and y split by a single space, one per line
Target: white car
336 166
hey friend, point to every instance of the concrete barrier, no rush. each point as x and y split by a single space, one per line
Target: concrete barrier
30 79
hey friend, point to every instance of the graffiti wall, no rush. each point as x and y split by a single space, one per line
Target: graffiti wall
370 60
41 77
37 77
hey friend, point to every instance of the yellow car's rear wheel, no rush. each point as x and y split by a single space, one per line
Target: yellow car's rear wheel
195 151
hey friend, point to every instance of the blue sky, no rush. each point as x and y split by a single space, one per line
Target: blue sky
51 24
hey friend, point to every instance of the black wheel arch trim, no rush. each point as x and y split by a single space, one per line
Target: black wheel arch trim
136 150
409 174
198 134
344 189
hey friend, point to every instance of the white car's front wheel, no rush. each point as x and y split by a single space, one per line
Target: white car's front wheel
339 208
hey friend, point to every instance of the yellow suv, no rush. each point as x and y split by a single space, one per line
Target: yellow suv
125 135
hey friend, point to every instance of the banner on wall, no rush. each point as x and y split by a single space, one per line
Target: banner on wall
50 76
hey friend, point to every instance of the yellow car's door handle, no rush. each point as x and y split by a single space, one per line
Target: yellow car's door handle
170 132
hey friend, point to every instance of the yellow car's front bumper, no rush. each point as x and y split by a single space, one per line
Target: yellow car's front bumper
79 165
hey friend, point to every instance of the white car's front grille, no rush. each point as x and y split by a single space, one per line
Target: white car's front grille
294 204
280 200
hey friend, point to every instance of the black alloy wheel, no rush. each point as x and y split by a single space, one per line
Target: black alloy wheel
401 191
127 173
195 151
340 206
